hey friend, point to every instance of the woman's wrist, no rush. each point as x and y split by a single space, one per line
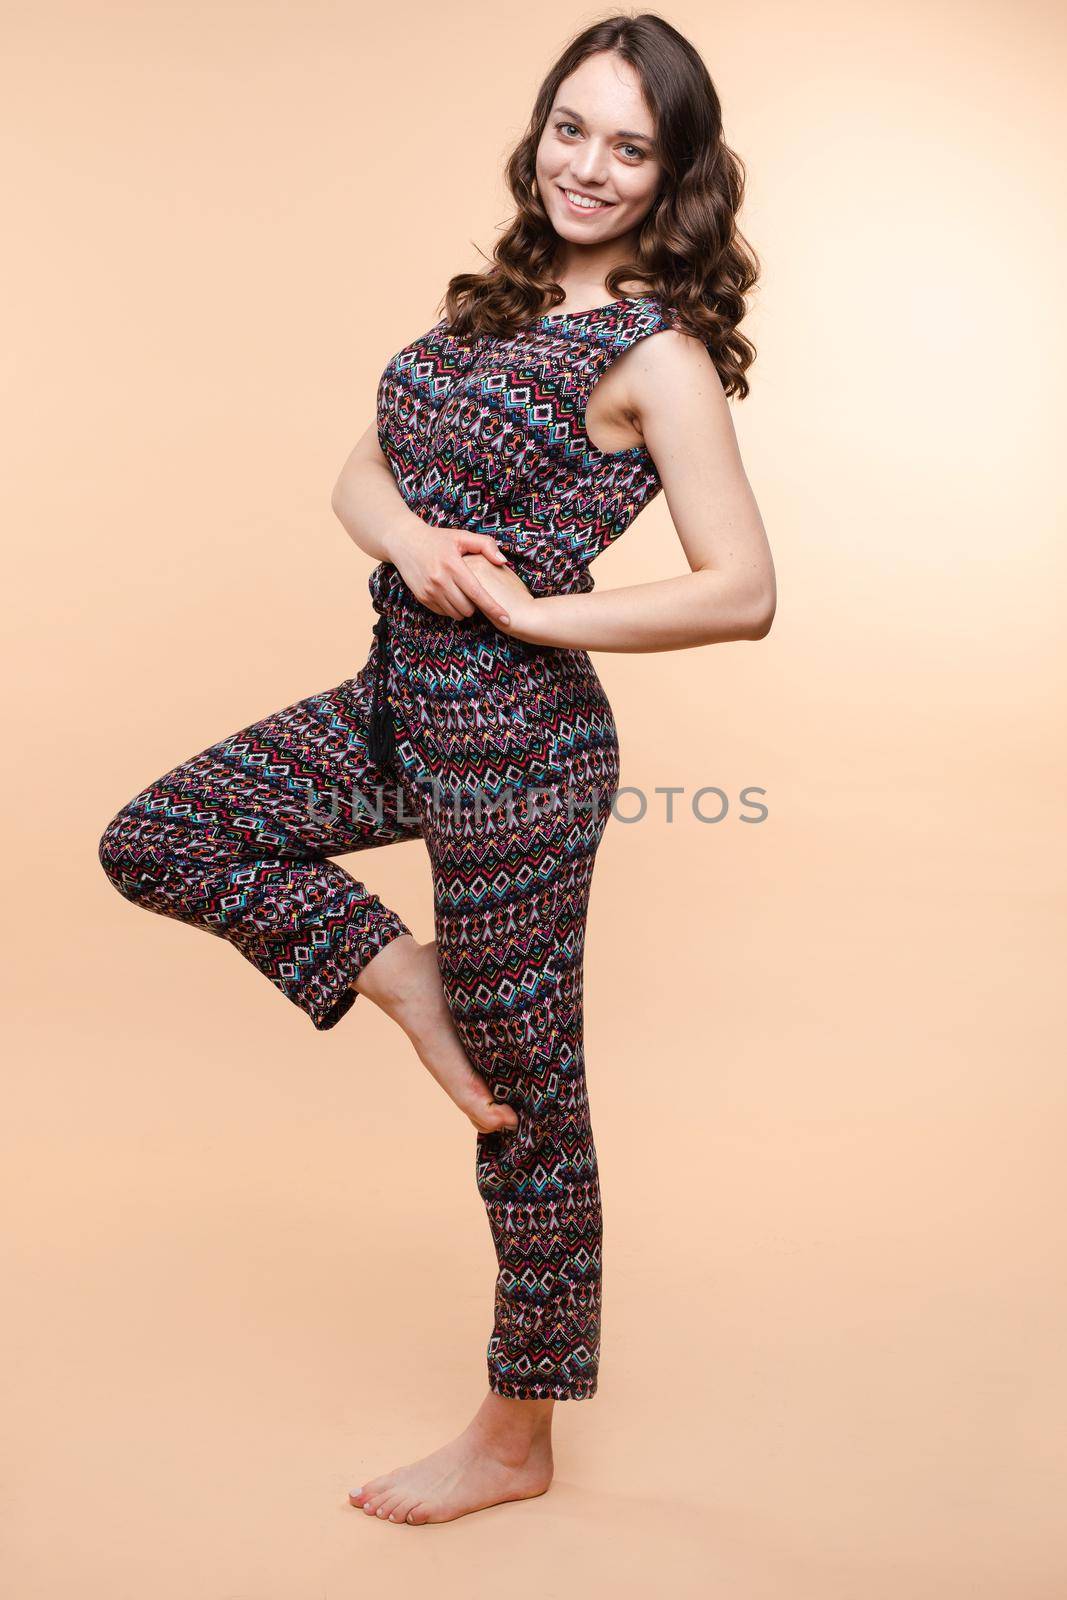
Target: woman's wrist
532 623
396 535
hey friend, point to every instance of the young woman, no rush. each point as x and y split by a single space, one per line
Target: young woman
564 387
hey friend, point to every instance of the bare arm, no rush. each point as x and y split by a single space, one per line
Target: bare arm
374 514
367 502
673 393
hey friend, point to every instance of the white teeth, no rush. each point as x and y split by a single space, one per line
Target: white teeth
583 201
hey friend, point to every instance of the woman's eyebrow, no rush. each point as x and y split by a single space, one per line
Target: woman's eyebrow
620 133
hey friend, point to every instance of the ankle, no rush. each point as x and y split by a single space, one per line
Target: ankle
392 977
513 1449
513 1430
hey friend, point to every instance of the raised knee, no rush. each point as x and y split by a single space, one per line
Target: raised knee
116 855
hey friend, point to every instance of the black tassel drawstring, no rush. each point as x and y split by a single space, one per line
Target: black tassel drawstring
381 735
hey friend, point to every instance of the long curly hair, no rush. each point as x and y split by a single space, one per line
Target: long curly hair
690 253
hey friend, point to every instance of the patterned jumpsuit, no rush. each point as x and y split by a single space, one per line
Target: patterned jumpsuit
442 735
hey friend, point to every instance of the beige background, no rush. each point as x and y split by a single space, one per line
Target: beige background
247 1265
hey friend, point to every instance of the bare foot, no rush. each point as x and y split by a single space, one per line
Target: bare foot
404 980
504 1453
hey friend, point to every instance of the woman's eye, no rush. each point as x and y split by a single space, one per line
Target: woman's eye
572 127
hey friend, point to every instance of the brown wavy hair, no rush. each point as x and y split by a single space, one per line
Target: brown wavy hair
690 253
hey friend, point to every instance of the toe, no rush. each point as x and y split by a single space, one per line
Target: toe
375 1491
418 1513
495 1117
389 1505
399 1512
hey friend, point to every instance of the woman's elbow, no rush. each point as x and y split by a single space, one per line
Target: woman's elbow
758 612
763 617
339 499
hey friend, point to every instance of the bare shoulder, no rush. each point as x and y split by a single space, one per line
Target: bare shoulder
660 362
669 385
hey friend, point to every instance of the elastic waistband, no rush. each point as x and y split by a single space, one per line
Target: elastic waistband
405 621
433 631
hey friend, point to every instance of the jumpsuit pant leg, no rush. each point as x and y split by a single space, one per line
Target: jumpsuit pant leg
238 841
493 720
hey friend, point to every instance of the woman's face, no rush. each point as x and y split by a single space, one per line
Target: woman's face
598 143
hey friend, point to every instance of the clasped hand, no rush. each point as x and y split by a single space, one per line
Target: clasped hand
454 572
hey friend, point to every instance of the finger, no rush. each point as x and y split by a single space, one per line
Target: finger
484 544
456 598
491 549
496 610
437 602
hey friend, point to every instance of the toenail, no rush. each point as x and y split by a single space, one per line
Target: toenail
381 1511
391 1517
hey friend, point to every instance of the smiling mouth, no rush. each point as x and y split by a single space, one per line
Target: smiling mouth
583 202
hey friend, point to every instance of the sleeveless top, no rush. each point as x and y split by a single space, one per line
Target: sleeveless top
488 433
